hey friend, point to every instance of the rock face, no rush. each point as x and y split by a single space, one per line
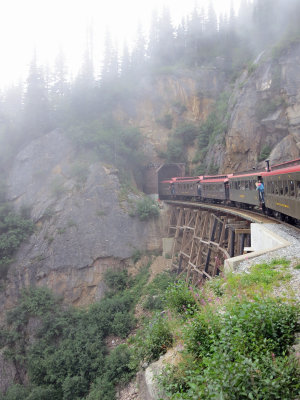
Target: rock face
81 229
171 99
265 114
264 111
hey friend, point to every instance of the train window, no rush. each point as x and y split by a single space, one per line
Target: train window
242 186
247 185
272 187
285 188
277 188
292 188
251 185
298 189
280 188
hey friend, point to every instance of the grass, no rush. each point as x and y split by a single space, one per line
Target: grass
262 277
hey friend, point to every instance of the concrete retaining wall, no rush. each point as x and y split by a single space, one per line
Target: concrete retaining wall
263 241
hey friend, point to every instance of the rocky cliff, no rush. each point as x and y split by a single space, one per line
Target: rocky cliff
82 228
265 112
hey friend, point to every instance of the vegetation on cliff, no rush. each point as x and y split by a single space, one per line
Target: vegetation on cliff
235 337
66 354
14 229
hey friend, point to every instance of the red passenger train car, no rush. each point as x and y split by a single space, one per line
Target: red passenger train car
281 189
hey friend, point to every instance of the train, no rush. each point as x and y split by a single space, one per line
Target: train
280 197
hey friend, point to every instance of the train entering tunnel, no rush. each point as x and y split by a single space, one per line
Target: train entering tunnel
155 173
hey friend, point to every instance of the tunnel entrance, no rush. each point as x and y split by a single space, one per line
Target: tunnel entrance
155 173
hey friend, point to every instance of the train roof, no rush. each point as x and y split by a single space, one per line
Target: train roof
218 180
294 168
195 180
248 173
243 175
206 177
286 164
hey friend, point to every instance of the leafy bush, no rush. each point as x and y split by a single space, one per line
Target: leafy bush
153 302
156 290
175 150
187 132
136 256
116 280
264 153
14 229
181 298
240 352
147 208
68 351
153 340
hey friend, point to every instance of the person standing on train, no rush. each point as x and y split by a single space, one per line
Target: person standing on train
261 190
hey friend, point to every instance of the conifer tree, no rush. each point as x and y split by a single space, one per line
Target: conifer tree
36 104
125 65
138 56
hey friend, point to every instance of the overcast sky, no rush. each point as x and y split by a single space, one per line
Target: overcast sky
48 24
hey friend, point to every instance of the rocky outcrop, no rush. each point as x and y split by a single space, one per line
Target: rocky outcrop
82 228
265 114
170 99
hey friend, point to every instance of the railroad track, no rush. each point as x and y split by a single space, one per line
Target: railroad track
250 215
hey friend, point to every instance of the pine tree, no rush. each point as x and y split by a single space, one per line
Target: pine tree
110 67
36 104
125 65
138 56
59 91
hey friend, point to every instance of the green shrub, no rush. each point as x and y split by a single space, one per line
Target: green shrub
264 153
180 298
147 208
122 324
155 339
245 378
68 351
153 302
175 150
16 392
155 291
187 132
74 387
118 365
136 256
239 352
116 280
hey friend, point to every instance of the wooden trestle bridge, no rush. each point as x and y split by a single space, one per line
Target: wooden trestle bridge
204 238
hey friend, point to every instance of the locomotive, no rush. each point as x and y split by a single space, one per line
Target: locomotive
281 197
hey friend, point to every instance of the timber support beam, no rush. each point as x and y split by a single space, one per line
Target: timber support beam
203 239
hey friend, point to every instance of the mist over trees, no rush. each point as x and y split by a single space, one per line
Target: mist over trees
50 99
